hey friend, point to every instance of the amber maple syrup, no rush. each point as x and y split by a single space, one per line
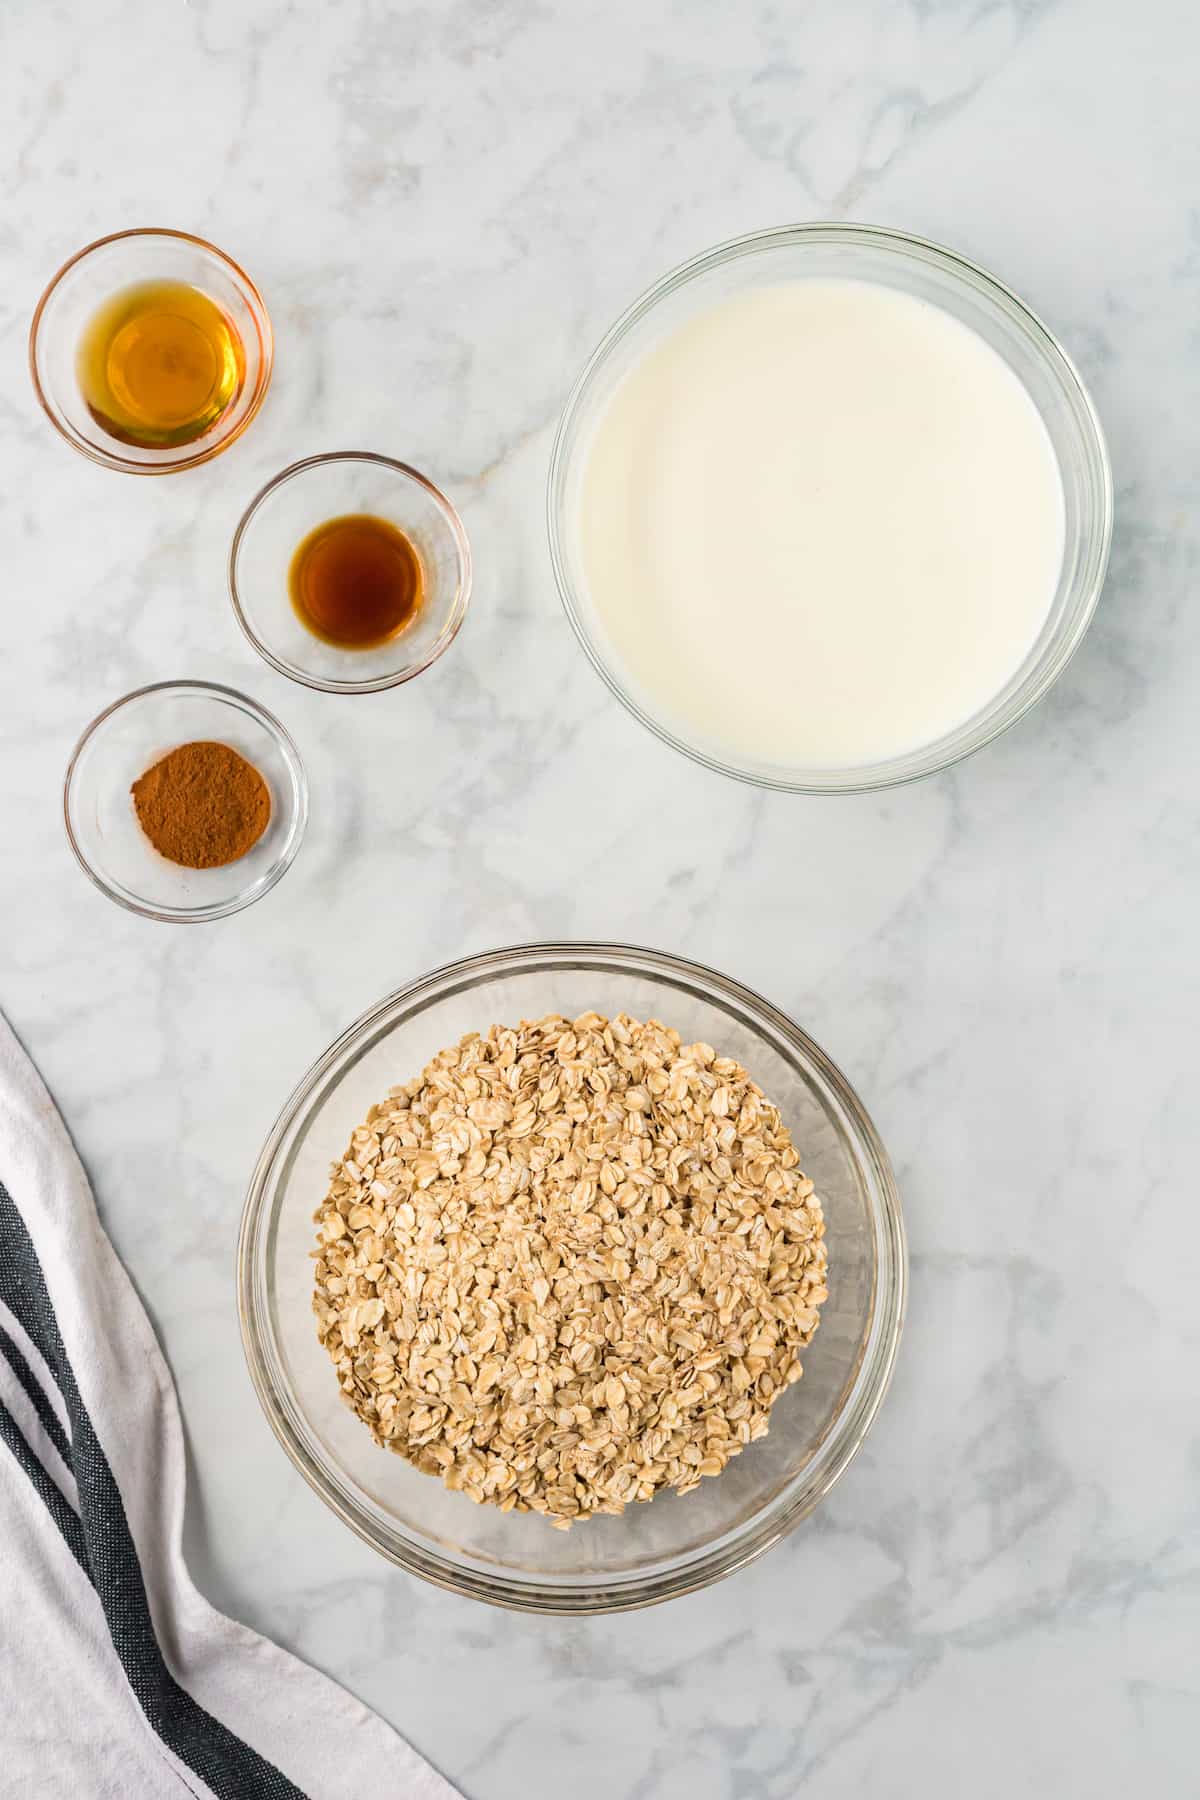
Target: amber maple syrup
356 581
159 363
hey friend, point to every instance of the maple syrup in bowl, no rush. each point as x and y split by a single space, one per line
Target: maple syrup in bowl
350 572
151 351
159 363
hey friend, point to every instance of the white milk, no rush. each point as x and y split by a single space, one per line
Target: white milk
821 523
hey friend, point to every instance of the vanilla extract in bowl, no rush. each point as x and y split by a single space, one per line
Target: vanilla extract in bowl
356 581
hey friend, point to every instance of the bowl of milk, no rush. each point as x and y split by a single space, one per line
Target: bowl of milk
829 508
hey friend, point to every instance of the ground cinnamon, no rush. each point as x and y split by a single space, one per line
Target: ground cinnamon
202 805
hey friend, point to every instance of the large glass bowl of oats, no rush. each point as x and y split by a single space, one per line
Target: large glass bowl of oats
842 1292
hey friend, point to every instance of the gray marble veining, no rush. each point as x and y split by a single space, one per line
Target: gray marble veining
445 205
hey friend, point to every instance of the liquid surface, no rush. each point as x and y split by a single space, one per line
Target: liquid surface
356 581
821 523
159 363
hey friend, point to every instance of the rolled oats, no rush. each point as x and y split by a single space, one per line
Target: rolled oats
573 1263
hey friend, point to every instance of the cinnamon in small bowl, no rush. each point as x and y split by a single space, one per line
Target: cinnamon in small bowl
185 801
202 805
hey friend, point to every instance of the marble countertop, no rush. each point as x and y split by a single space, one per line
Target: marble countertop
445 204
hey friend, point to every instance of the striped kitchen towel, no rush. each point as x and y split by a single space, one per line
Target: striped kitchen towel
116 1677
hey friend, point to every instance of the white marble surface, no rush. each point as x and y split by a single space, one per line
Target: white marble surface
445 205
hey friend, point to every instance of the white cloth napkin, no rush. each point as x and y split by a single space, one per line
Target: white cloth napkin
116 1677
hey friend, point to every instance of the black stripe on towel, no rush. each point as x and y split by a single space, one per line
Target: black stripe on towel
231 1768
50 1422
57 1505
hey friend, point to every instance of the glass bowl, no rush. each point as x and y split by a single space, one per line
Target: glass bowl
92 276
866 253
669 1545
326 487
130 736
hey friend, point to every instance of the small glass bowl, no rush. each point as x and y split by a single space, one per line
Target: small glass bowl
304 496
874 254
655 1550
91 277
127 739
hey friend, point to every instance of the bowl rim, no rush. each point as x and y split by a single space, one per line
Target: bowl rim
458 612
845 1435
246 896
921 762
111 459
